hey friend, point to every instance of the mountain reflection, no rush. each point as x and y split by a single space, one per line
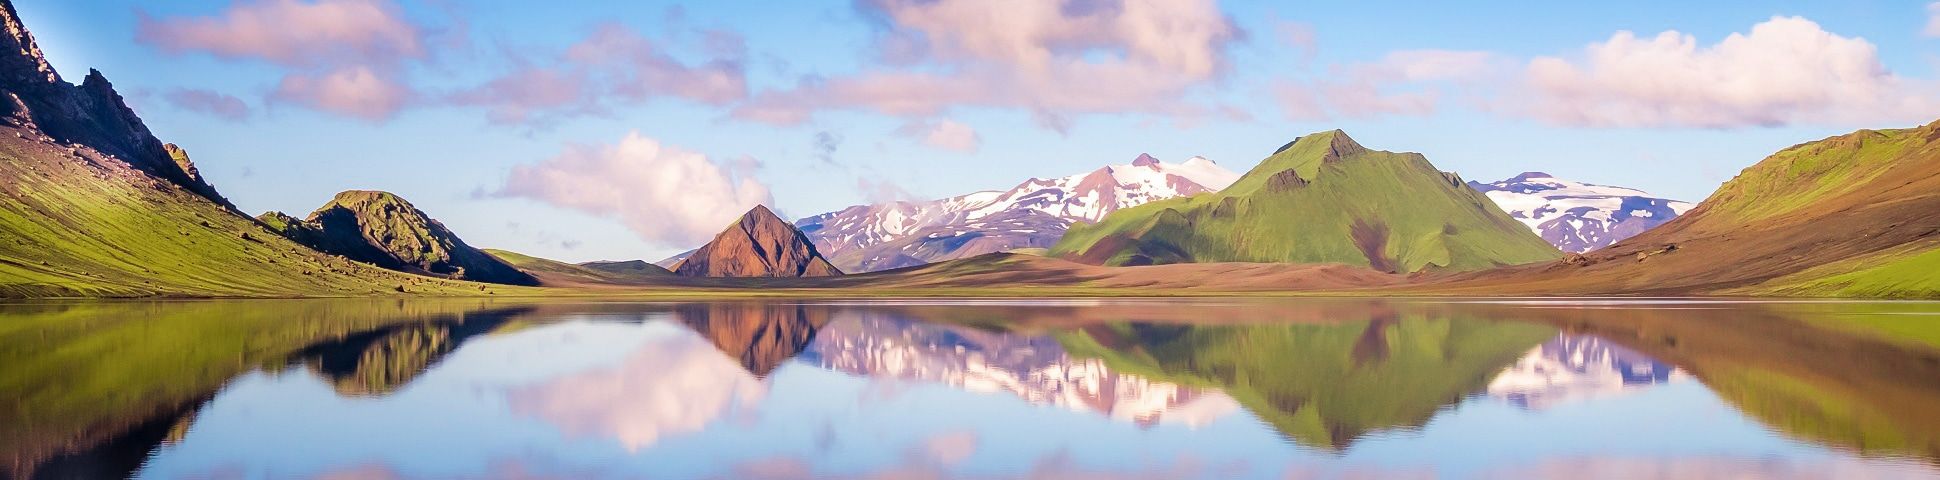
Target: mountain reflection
1577 367
93 391
1034 368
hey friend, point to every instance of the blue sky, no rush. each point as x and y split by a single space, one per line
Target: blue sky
657 122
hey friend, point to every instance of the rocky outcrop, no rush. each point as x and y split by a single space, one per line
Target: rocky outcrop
33 96
382 229
759 245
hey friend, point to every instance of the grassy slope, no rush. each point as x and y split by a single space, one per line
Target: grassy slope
1323 385
71 227
553 272
1432 220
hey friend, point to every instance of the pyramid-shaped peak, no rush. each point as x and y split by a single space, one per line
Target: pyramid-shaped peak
1145 160
761 244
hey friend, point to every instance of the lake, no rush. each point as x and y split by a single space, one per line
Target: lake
960 388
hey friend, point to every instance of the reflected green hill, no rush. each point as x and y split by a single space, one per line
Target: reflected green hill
1322 386
1864 378
79 374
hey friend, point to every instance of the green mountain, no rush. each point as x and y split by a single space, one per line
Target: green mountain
557 273
94 205
1321 199
383 229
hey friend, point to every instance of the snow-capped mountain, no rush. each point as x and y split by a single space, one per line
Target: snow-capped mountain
1033 368
1579 217
1577 367
1033 214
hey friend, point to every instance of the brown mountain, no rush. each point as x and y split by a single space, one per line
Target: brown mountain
382 229
759 245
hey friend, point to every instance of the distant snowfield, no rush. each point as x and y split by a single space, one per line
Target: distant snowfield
1579 217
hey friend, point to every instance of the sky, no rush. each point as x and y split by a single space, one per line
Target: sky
583 130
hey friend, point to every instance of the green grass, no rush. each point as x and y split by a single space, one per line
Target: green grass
1433 220
1912 271
71 229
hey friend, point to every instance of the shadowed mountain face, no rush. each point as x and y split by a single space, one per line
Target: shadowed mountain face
759 245
91 115
1321 199
383 229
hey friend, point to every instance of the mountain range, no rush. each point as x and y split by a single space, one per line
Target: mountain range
96 206
1322 198
1575 216
1033 214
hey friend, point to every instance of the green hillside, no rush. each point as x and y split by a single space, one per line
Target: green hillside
554 272
1321 199
83 225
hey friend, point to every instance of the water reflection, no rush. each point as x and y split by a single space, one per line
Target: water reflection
1034 368
1215 389
1573 368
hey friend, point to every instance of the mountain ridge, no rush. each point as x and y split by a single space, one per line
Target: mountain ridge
1032 214
1323 198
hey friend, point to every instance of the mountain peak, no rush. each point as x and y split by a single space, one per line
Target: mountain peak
1145 160
1198 160
1527 176
760 244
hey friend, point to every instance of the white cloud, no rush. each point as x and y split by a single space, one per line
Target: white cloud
1786 70
667 388
945 134
1403 82
1933 20
667 195
1051 59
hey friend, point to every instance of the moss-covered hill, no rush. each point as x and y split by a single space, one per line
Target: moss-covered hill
383 229
1321 199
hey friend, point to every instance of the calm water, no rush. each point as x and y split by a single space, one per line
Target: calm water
356 389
